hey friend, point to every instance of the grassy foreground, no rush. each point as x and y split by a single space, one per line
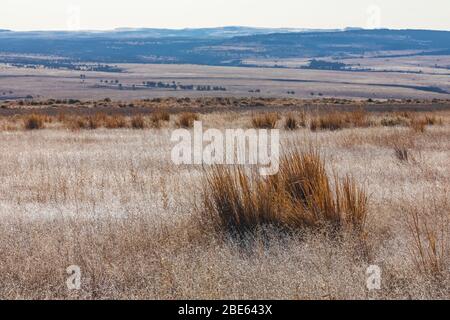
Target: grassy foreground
374 190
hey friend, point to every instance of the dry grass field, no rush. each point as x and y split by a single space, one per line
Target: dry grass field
96 188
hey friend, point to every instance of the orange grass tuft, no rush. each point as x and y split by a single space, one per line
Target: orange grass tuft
300 195
265 121
186 120
34 122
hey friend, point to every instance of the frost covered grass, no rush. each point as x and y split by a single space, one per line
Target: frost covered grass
111 202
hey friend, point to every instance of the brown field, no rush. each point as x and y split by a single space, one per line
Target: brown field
396 78
387 61
92 184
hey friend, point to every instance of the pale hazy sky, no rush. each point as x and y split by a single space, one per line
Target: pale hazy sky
109 14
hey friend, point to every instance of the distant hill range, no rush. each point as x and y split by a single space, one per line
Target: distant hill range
227 46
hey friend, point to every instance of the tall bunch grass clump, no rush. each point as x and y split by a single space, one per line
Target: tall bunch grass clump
432 120
265 121
429 228
401 152
160 115
115 122
186 120
292 122
418 125
302 195
34 122
358 118
138 122
340 120
331 121
93 122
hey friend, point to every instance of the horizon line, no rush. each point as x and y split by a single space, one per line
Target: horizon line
348 28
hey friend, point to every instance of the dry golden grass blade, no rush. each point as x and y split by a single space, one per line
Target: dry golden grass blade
429 229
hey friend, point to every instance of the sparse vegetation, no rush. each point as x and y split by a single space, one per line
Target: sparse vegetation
116 118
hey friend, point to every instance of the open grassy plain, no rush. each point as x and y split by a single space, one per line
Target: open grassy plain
92 184
396 78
